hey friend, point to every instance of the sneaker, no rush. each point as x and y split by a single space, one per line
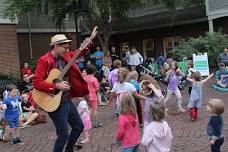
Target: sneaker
13 142
18 140
85 141
192 119
181 110
97 125
116 144
78 147
117 114
102 104
141 126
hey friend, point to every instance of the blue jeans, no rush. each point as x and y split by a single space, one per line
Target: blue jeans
13 123
217 145
131 149
66 113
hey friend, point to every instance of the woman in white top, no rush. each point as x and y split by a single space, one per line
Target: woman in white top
135 58
107 63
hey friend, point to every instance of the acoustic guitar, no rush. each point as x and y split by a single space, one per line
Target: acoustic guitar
50 102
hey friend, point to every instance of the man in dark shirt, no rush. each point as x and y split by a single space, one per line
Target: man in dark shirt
114 54
223 57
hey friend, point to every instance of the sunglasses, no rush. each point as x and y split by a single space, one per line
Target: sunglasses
66 48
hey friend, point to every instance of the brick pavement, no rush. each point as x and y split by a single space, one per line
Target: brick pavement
188 136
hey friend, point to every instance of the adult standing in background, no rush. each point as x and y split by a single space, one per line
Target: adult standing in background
27 73
114 54
99 57
107 63
160 61
127 54
81 63
135 59
223 57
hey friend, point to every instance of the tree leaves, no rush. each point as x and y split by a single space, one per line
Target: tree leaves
212 43
104 13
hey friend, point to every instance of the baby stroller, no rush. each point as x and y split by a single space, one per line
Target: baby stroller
156 76
99 74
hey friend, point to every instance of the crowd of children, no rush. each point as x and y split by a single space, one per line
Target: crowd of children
157 134
134 110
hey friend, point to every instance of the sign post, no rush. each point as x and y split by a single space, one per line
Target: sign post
201 63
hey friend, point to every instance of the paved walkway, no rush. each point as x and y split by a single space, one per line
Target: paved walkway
188 136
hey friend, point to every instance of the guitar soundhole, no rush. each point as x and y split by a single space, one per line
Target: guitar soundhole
55 81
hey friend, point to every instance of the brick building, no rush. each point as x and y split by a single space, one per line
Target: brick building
9 54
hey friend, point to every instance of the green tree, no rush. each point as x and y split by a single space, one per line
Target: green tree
212 43
104 13
58 8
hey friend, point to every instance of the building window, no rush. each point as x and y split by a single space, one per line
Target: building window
170 43
148 48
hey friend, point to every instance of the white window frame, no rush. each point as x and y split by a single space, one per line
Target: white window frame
144 46
173 40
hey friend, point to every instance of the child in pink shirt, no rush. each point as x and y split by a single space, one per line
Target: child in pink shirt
157 135
93 87
128 131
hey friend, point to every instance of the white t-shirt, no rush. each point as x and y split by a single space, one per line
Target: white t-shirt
126 86
135 59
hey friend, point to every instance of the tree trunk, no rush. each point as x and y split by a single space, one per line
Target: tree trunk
104 46
78 41
104 40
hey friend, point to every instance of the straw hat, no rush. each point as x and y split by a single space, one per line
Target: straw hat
58 39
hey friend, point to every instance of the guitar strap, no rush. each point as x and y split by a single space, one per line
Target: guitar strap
48 63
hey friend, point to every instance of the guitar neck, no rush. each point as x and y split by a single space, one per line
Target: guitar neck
83 46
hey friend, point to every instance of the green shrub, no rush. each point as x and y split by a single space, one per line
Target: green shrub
32 64
10 80
212 43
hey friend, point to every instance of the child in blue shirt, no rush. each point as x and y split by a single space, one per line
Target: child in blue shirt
99 57
133 79
215 125
12 112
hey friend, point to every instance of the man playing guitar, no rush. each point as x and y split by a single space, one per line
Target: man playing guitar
73 85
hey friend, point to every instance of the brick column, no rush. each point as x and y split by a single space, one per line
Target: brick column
9 55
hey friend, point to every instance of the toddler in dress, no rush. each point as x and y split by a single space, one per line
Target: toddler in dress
196 95
83 110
